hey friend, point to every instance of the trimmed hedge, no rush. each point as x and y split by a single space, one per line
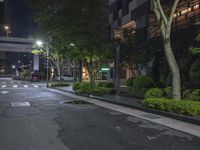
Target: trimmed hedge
88 88
154 93
167 92
105 84
184 107
192 94
143 83
59 85
100 90
129 82
76 86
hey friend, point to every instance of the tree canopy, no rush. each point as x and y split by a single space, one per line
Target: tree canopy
78 28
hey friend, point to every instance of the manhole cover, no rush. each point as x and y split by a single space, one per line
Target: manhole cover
20 104
75 102
150 116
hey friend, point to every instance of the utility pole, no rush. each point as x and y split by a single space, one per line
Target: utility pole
117 72
47 49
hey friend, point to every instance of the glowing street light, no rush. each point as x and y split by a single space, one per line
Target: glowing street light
13 66
7 30
39 43
6 27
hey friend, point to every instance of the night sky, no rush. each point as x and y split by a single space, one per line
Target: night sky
21 19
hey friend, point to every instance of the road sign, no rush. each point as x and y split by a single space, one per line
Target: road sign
105 69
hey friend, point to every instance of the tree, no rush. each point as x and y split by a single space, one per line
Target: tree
164 20
75 21
134 52
196 50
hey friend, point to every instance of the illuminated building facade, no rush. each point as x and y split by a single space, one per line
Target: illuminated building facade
139 14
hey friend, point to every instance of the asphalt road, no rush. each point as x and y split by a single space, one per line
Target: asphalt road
43 122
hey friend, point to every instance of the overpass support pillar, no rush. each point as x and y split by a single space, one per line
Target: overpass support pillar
36 62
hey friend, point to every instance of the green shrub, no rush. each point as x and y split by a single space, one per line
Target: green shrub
184 107
105 84
143 83
59 84
154 93
192 94
76 86
109 85
129 82
195 74
101 84
25 74
167 92
101 90
187 94
86 88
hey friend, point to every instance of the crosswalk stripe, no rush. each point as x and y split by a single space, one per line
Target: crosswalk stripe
3 86
15 86
25 86
35 86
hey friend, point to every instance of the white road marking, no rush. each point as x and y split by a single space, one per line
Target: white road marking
4 86
35 86
3 82
25 86
15 86
20 104
4 92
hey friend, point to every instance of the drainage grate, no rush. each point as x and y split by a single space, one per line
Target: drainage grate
20 104
76 102
150 116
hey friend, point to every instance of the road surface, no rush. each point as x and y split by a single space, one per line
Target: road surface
34 118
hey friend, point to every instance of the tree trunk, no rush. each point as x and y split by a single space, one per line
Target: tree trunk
80 71
90 71
176 83
132 69
58 70
60 66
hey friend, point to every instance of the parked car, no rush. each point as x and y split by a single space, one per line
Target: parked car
67 78
35 76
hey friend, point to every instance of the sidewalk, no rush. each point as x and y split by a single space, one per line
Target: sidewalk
182 126
134 103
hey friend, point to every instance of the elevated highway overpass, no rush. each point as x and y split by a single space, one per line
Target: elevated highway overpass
18 45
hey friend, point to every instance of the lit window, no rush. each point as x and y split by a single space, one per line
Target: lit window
196 7
189 9
183 12
175 15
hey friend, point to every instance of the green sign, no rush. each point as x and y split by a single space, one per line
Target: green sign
105 69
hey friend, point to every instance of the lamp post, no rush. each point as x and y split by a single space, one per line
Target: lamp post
117 35
117 80
47 49
40 44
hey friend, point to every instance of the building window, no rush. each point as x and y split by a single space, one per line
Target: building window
187 13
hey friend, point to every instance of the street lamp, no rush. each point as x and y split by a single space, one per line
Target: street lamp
13 66
40 44
7 29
